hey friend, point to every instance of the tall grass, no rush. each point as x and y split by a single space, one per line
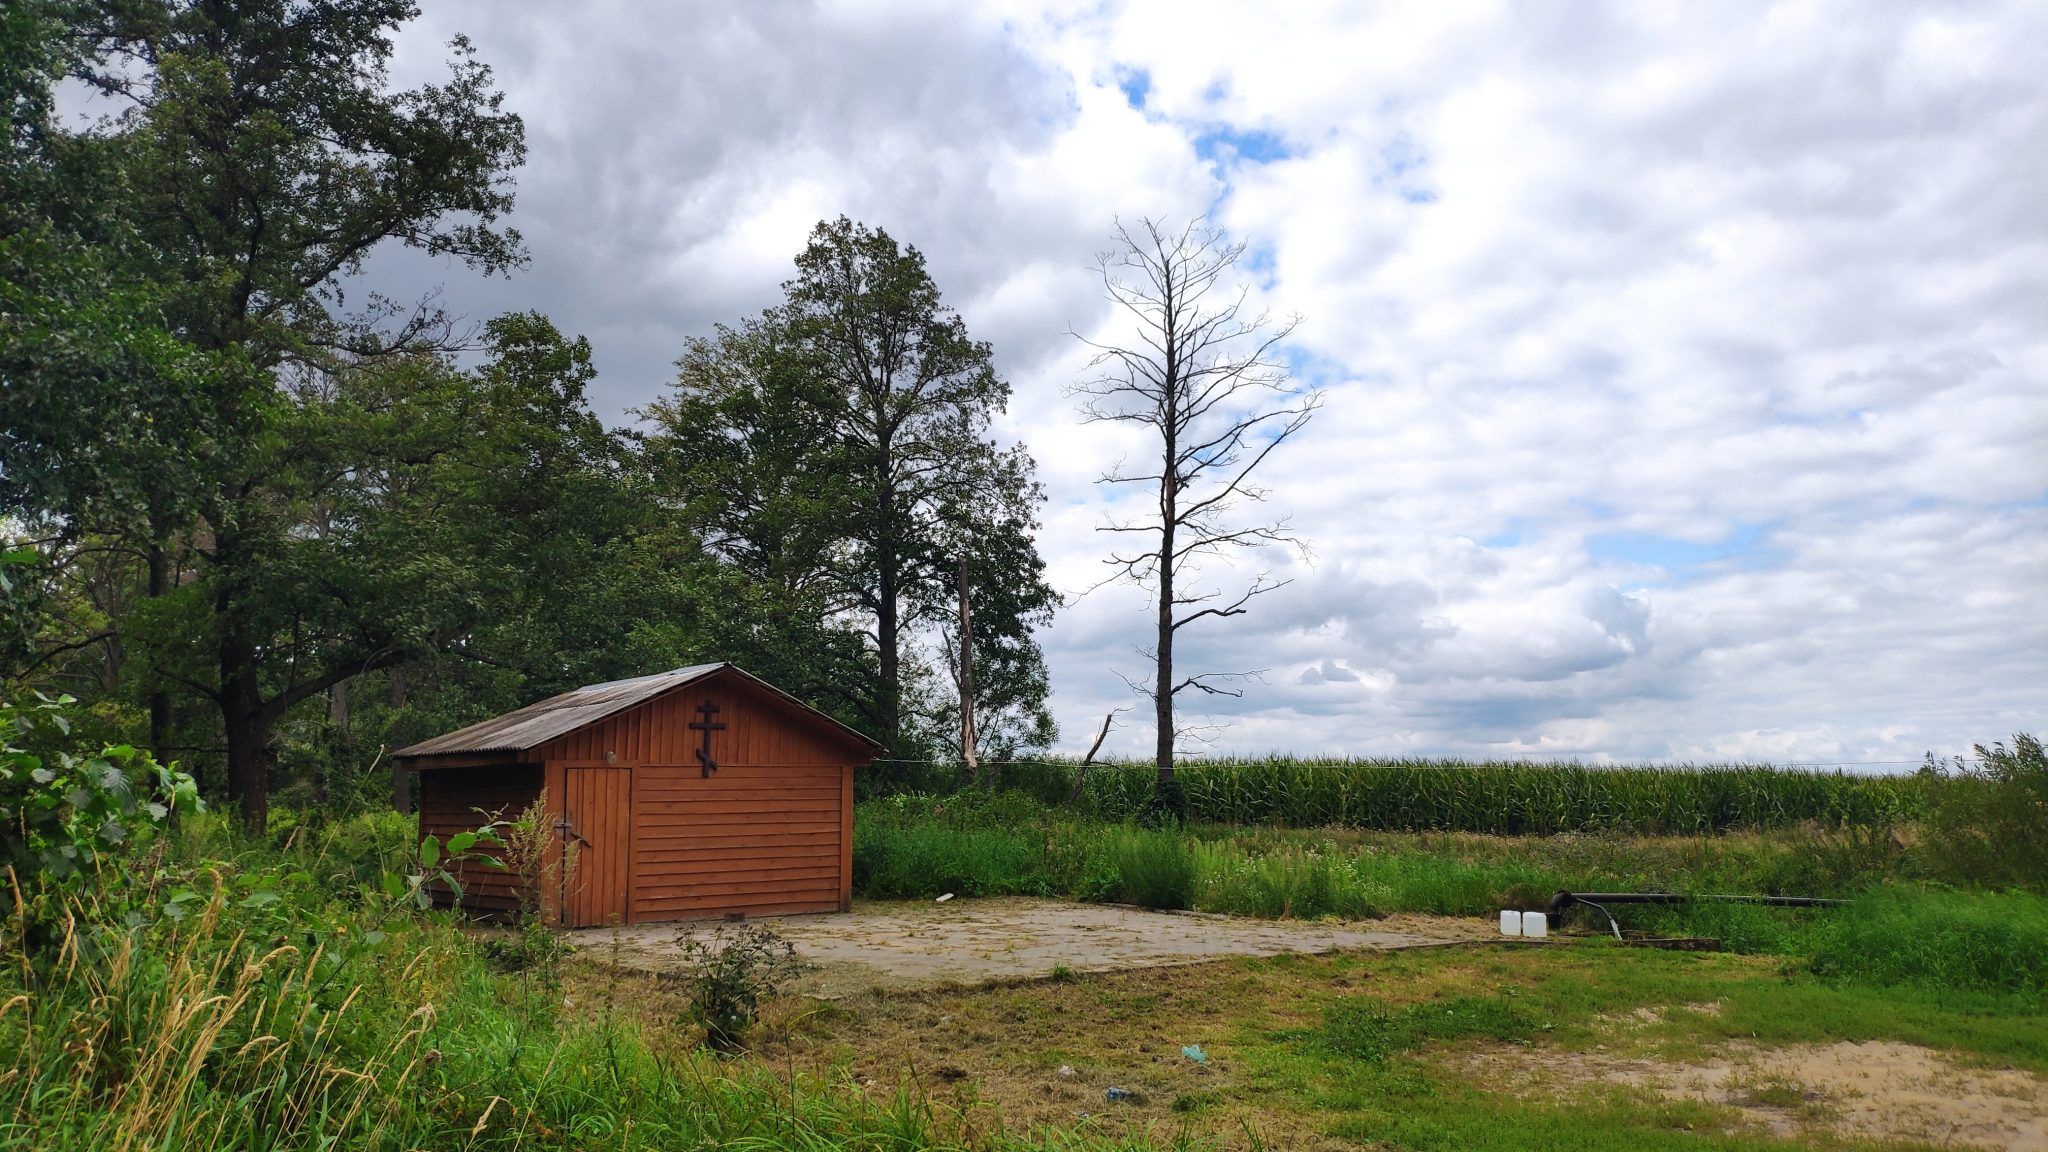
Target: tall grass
1502 798
974 843
1154 868
1989 942
284 1009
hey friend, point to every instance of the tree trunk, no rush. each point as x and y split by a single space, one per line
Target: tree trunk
337 710
159 699
890 705
401 780
1163 686
967 755
248 733
1169 520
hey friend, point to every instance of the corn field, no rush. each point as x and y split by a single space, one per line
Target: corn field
1507 799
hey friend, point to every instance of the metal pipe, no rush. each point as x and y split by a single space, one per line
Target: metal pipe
1564 900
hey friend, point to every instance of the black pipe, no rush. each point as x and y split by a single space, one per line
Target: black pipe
1564 900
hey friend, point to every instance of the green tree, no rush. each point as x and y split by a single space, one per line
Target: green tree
264 156
838 449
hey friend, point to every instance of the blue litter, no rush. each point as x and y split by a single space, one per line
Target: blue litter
1117 1094
1194 1052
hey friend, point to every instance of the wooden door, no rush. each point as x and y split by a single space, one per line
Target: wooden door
597 806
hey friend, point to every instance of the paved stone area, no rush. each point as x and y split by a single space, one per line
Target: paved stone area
905 944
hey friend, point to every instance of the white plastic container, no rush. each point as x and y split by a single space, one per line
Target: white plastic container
1535 924
1511 923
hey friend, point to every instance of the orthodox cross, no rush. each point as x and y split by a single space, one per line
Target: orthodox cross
707 726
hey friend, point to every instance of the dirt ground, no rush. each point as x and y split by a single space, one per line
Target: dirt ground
920 944
1872 1091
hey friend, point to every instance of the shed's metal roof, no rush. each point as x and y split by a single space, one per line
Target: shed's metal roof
540 722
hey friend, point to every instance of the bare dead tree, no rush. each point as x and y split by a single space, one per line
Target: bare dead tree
1081 770
1202 376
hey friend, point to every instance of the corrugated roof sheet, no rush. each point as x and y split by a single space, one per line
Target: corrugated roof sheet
540 722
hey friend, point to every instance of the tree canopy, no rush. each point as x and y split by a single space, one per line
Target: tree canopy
270 527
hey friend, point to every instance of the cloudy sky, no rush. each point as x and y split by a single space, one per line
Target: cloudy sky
1686 365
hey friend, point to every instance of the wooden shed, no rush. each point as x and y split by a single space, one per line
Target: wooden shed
695 793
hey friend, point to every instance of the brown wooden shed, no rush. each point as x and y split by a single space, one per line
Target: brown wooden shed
700 792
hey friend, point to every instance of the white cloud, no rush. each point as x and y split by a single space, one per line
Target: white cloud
1688 392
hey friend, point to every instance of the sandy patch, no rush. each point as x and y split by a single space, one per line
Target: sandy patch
901 944
1877 1091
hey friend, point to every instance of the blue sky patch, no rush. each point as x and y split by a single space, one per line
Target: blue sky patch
1742 546
1224 143
1135 84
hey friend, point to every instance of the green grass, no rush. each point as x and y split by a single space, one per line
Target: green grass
1363 1028
1154 868
975 843
1949 941
286 1005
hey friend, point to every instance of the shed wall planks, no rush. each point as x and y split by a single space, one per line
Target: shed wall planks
771 831
449 800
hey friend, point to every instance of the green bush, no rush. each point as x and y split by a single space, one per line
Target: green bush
898 860
1987 825
1154 869
1977 942
729 976
68 817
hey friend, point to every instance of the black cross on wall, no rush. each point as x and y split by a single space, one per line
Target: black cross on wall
707 726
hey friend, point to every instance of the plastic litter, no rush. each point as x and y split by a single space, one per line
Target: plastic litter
1066 1069
1194 1052
1511 922
1534 924
943 899
1115 1094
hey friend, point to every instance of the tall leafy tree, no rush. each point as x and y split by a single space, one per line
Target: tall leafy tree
840 448
105 416
264 155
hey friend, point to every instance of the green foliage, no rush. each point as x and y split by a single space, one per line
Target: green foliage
1364 1028
1988 942
1154 868
69 816
1504 798
1987 824
1301 882
837 451
979 843
286 1007
899 856
728 976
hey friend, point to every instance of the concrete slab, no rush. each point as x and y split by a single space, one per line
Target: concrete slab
903 944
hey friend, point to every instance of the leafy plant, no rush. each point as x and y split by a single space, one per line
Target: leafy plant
434 865
67 815
1155 869
1987 824
1951 941
728 977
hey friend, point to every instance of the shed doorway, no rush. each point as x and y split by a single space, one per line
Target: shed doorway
597 815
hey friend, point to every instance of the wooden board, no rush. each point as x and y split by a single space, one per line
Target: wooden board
450 800
597 806
750 837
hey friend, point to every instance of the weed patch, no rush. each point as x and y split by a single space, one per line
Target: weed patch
1363 1028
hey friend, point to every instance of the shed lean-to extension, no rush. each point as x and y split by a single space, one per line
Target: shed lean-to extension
700 792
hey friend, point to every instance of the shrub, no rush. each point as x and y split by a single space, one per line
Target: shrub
1984 942
1988 825
729 976
66 817
1154 869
